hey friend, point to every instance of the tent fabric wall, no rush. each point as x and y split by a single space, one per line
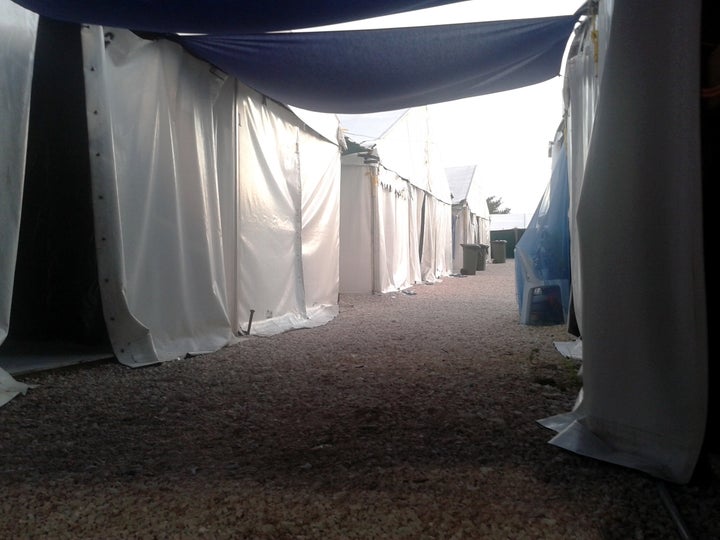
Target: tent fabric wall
644 317
416 220
580 76
289 223
436 254
154 175
357 245
191 214
392 234
175 187
18 29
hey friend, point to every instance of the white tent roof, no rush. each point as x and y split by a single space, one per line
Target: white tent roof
324 124
403 141
366 129
466 186
460 179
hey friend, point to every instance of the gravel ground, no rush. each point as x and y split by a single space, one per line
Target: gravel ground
409 416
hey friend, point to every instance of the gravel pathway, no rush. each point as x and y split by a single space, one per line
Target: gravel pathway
409 416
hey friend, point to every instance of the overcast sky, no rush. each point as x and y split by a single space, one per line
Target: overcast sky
505 134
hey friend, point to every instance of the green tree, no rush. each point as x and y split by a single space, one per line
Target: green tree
494 204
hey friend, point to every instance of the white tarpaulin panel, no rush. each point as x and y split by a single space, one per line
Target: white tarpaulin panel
289 200
437 241
393 232
356 225
269 200
644 325
153 159
199 222
416 203
320 175
581 89
18 28
377 229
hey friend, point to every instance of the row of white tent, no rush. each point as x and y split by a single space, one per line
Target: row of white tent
409 226
215 209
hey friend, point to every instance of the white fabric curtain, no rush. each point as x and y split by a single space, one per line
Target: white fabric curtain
289 203
199 221
444 254
392 232
357 252
483 228
155 187
415 209
320 177
640 242
582 84
269 196
436 260
18 31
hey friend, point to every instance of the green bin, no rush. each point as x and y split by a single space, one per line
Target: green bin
497 253
470 259
482 256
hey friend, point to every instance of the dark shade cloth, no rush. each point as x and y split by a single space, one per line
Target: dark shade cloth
365 71
219 16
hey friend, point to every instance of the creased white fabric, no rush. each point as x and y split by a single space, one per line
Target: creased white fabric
18 30
644 326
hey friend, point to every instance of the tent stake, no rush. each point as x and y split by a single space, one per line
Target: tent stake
247 332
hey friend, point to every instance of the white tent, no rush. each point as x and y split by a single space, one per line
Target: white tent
211 203
470 213
634 162
395 214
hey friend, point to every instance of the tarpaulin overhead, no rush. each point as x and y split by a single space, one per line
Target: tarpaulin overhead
220 16
339 71
385 69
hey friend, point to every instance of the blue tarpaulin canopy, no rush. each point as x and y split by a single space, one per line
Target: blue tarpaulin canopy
219 16
379 70
342 71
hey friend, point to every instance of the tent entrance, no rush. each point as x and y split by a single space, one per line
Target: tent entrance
56 316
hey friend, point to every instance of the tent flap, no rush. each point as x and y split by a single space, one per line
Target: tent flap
18 29
644 315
